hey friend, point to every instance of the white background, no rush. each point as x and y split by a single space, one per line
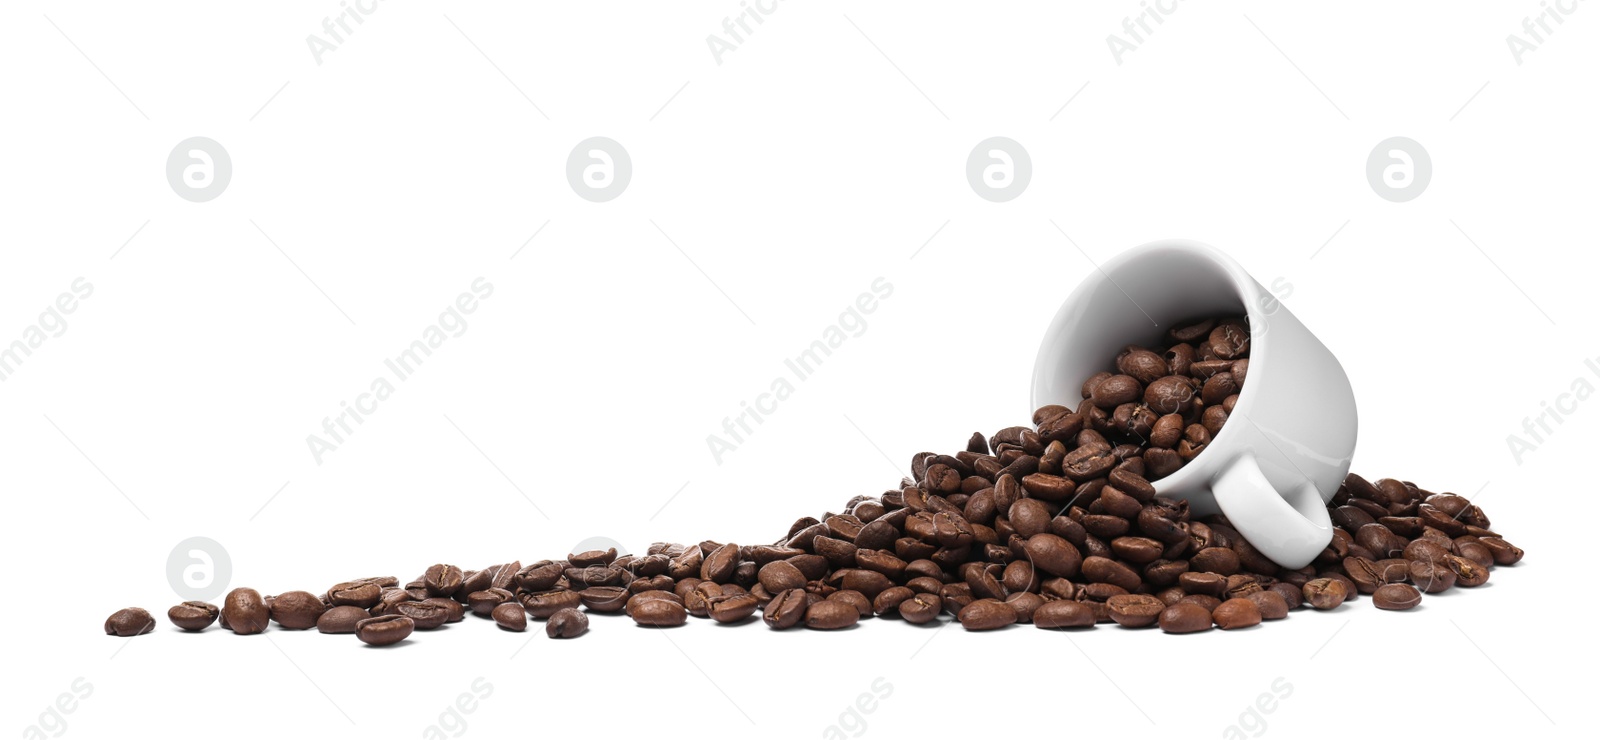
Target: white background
766 195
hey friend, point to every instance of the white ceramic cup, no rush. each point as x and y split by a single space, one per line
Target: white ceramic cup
1287 445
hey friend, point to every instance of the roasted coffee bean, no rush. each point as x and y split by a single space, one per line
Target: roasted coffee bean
1270 604
732 608
1115 391
542 604
483 602
1468 573
657 612
1220 560
986 614
832 615
786 609
385 630
245 612
1205 600
296 610
719 566
1236 613
1432 576
1504 552
1396 597
130 622
194 616
1064 614
442 580
921 608
1105 570
541 576
1137 550
1024 604
1324 593
339 620
424 615
1292 595
566 624
363 594
1135 610
1183 618
454 611
604 599
1169 395
1054 555
511 616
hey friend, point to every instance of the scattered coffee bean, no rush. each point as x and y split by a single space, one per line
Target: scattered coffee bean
986 614
1396 597
511 616
130 622
296 610
1061 524
245 612
834 615
194 616
567 623
1236 614
1184 617
341 619
385 630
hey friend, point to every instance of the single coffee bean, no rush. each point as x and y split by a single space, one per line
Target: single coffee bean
833 615
424 615
296 610
1468 573
1105 570
1270 604
921 608
1432 576
511 616
730 609
442 580
1183 618
1135 610
1324 593
245 612
986 614
1236 613
130 622
658 612
363 594
341 619
1024 604
567 623
604 599
542 604
1219 560
541 576
385 630
193 616
1396 597
854 598
1064 614
1292 595
1504 552
786 609
1205 600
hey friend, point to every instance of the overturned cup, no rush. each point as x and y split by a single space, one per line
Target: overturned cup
1288 441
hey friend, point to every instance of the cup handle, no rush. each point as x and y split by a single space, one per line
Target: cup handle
1291 528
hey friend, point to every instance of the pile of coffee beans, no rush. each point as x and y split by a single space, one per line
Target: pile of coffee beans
1057 525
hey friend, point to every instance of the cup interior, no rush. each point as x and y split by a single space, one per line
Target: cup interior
1140 295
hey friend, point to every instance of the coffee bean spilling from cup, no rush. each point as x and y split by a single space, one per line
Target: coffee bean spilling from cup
1057 525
